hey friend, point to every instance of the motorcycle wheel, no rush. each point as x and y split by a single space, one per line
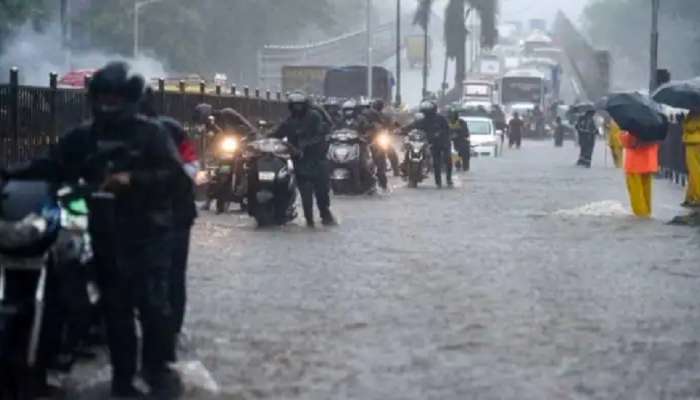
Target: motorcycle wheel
342 187
413 175
265 215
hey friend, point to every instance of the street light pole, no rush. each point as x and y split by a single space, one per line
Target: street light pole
398 53
654 53
369 50
137 8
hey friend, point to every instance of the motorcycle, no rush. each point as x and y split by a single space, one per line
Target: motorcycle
272 186
352 169
43 237
418 158
226 183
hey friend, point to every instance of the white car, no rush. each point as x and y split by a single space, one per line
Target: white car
484 139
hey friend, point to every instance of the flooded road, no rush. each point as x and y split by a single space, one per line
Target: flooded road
529 280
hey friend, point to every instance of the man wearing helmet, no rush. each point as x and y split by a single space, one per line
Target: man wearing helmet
383 122
135 164
459 130
304 129
437 128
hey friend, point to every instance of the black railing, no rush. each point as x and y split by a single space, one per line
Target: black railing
33 118
672 157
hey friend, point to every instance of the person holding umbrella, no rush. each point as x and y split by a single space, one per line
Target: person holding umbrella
686 94
691 139
645 127
641 163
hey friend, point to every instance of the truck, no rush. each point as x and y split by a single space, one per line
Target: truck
415 50
307 78
351 82
478 93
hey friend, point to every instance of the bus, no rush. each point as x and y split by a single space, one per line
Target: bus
523 89
351 82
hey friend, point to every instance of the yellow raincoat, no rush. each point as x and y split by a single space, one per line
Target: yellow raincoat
641 163
615 143
691 138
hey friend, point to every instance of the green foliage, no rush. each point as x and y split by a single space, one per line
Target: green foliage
623 26
15 13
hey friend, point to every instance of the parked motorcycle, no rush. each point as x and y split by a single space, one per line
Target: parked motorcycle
42 236
272 186
418 159
351 172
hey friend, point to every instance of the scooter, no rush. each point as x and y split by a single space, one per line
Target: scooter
225 173
418 158
352 169
43 242
272 185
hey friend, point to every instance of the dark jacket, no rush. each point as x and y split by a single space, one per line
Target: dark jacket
307 135
515 127
459 131
136 145
435 126
184 209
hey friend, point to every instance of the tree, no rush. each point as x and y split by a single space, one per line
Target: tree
623 27
15 13
456 31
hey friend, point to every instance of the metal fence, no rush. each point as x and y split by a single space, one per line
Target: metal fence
33 118
672 156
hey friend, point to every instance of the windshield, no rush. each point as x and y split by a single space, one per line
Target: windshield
479 127
522 90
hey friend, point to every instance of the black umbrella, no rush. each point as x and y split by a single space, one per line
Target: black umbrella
685 94
582 108
638 115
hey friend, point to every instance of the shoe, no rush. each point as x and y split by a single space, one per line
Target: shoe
450 184
327 218
439 185
125 390
310 223
687 204
165 384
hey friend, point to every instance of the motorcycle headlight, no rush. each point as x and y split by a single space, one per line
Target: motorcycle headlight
229 145
383 140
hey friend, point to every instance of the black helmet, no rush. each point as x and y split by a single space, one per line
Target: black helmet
378 105
298 103
349 109
114 92
201 113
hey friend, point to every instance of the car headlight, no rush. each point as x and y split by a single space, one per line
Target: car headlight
229 145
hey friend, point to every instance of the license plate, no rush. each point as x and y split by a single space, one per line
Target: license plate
266 176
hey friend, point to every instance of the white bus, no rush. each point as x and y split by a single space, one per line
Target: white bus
523 89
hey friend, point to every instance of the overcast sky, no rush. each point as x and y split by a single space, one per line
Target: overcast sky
525 9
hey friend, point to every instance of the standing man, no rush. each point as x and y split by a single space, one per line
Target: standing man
438 130
304 130
459 131
515 131
135 164
587 132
